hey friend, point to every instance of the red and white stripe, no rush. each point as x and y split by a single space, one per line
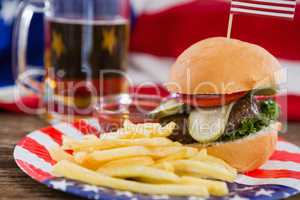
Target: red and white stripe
288 147
275 8
248 180
155 6
68 130
32 158
43 139
31 154
277 170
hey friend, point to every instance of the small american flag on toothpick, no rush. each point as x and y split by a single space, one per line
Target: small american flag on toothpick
275 8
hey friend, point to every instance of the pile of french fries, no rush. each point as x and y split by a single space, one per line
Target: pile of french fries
140 158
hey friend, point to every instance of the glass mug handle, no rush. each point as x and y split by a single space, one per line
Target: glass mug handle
23 76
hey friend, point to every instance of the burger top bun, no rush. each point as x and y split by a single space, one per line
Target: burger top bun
223 66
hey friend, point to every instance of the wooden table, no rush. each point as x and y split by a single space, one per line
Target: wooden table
14 184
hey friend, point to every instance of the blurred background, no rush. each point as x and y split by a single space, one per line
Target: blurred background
160 31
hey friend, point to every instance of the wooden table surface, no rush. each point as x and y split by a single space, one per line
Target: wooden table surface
14 184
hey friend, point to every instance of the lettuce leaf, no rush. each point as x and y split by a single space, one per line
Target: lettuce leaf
269 111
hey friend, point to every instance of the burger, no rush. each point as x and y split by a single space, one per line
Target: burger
223 100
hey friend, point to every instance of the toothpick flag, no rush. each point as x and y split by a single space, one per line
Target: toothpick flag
275 8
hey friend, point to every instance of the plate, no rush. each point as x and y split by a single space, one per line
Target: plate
277 179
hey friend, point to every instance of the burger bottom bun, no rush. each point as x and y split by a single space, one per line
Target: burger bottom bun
248 153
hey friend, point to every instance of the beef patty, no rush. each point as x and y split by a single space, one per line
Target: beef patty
181 132
244 108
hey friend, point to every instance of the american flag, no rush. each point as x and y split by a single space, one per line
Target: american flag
279 178
162 29
275 8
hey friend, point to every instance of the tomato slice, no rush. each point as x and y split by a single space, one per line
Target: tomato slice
210 100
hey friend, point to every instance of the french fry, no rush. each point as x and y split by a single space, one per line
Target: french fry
217 188
68 142
141 160
154 182
59 154
98 144
146 130
114 135
142 152
132 131
149 142
141 128
214 160
118 153
88 142
204 169
163 151
93 145
177 144
79 157
202 152
176 156
183 153
124 134
82 159
73 171
90 137
164 166
136 171
167 130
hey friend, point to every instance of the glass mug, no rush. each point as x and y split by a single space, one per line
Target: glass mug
85 54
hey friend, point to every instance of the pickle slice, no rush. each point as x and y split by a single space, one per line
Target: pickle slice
167 108
207 125
265 91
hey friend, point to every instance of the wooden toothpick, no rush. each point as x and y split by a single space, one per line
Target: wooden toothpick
229 25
